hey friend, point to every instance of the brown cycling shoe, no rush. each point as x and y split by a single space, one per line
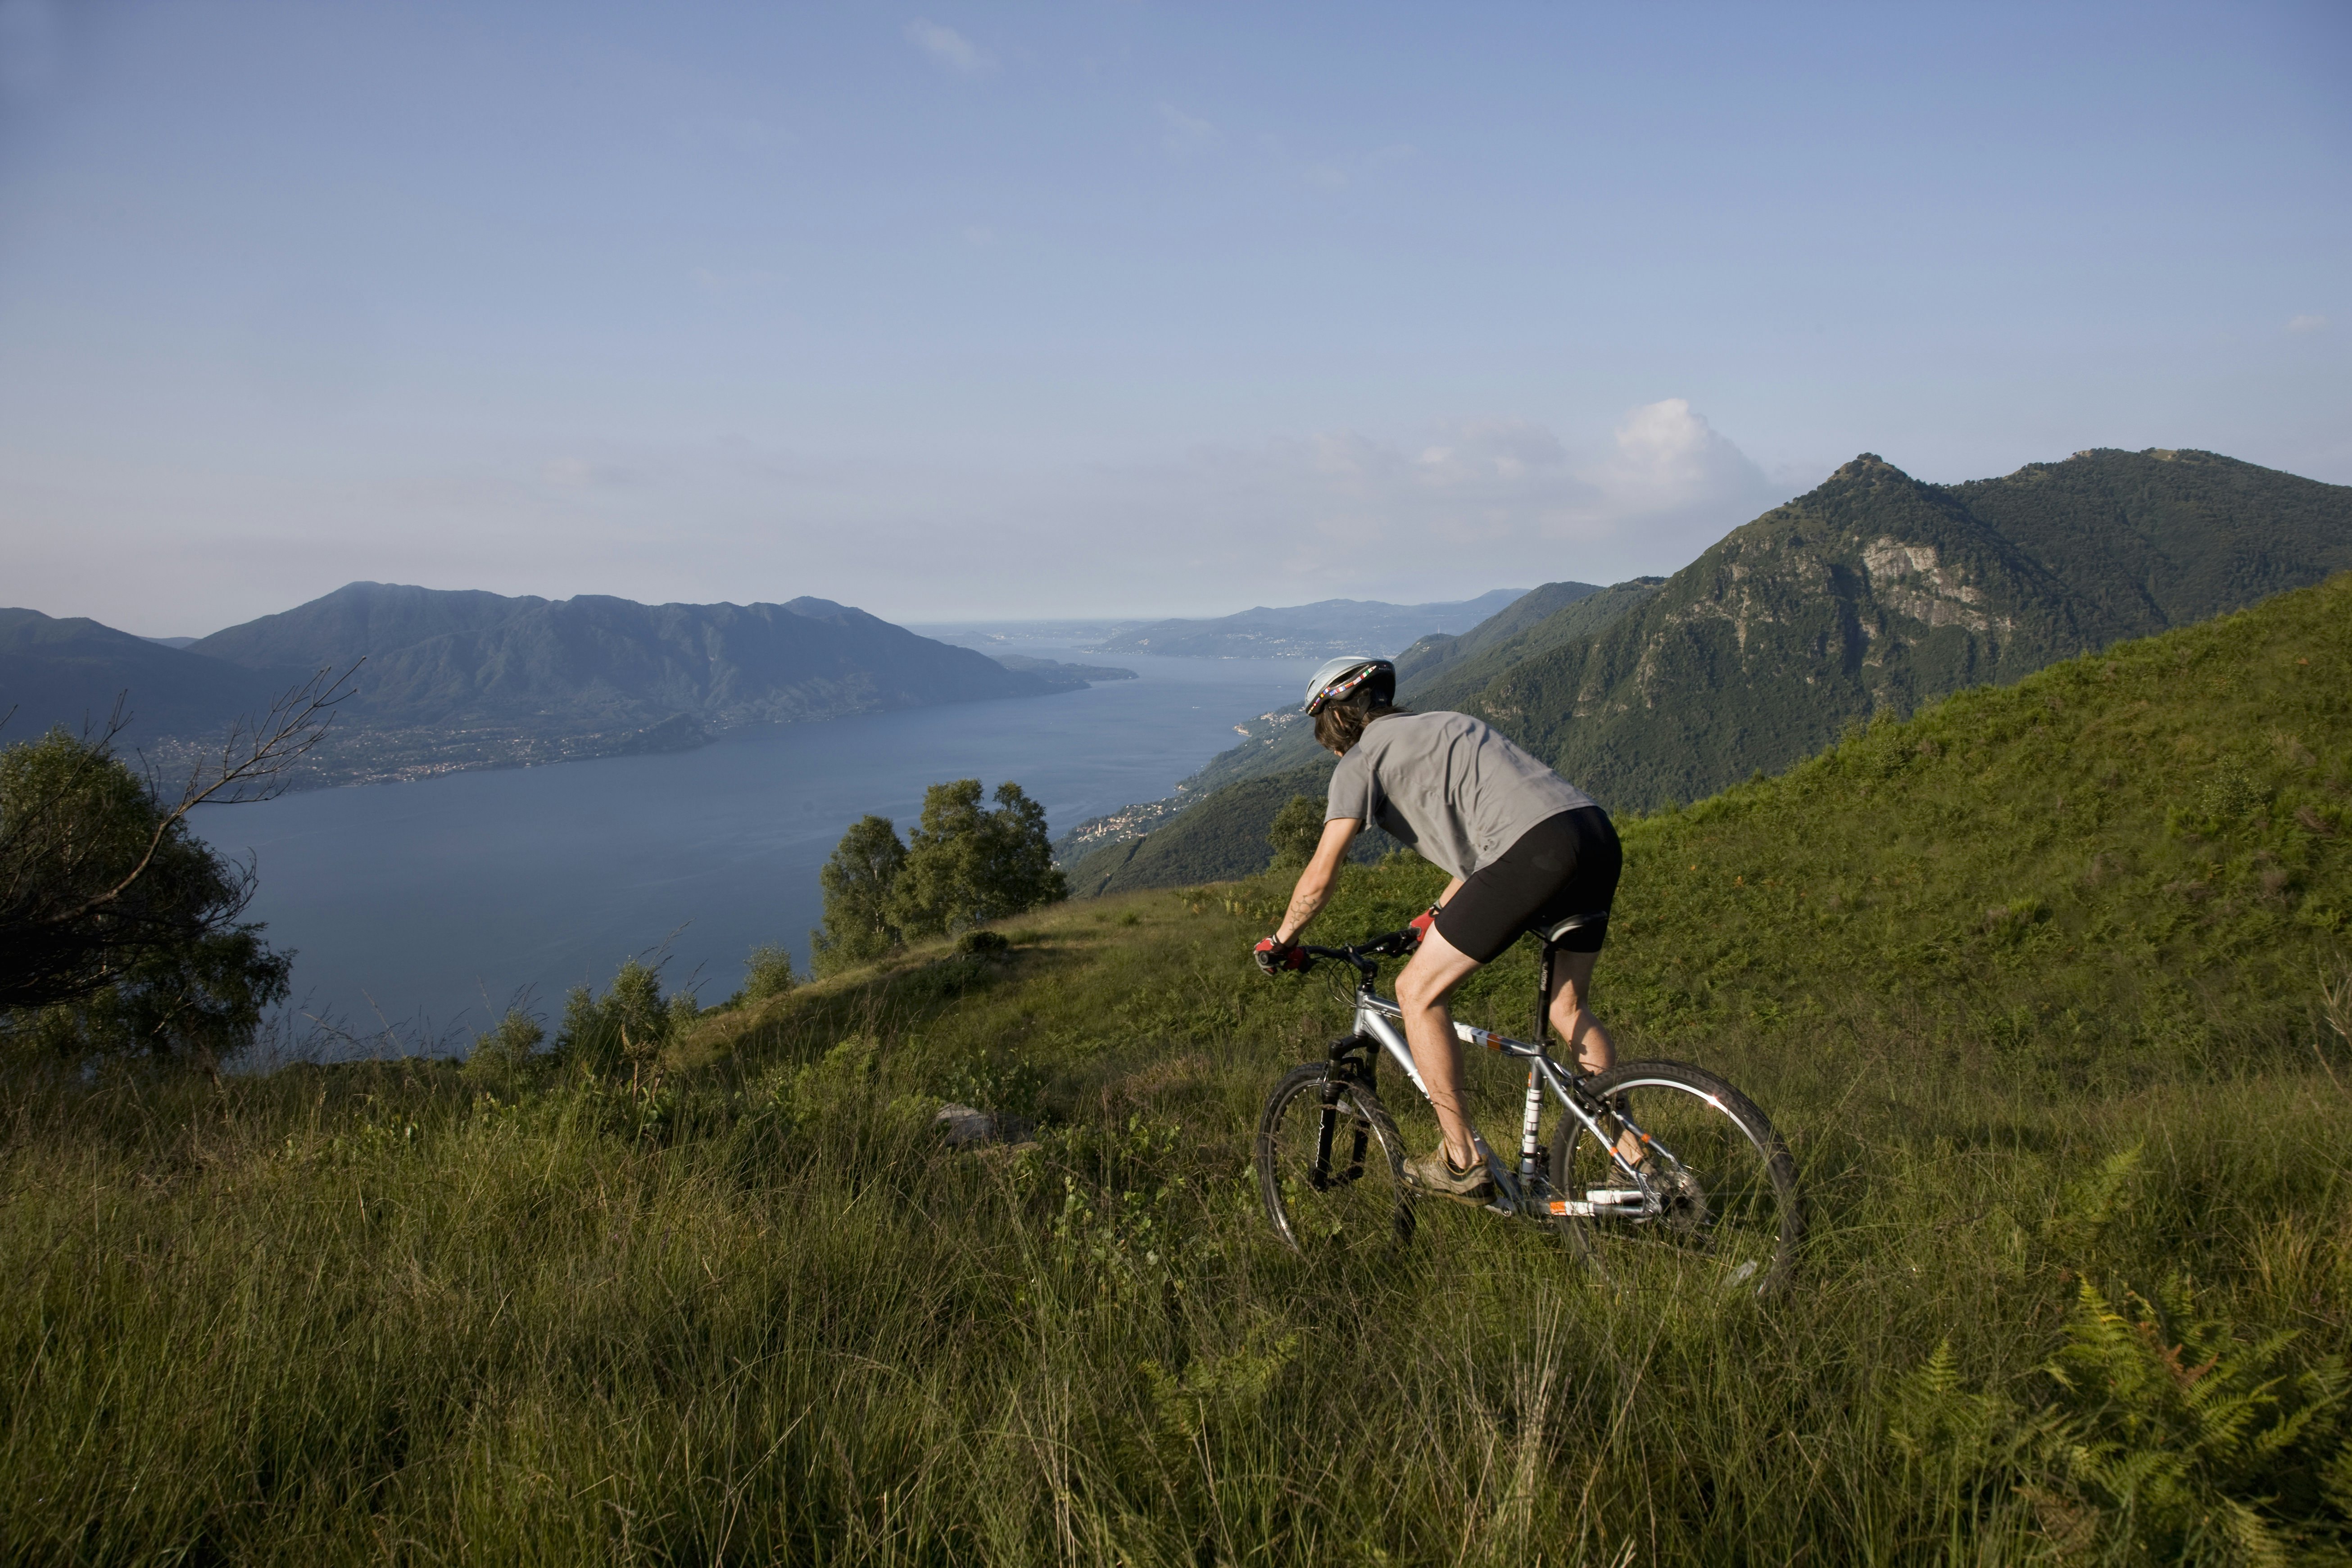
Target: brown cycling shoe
1436 1173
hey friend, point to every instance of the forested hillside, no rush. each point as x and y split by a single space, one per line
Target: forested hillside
71 671
454 679
471 659
1876 593
1440 649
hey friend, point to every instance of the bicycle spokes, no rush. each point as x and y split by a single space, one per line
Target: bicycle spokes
1331 1166
1713 1200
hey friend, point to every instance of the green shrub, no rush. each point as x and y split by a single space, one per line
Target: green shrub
768 973
508 1060
624 1030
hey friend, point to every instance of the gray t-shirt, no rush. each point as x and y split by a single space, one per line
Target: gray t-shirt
1454 788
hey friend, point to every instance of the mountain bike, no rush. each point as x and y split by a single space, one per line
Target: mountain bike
1656 1172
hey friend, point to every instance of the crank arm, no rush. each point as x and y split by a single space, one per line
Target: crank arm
1604 1203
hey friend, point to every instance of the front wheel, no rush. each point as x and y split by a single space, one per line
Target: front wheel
1728 1216
1331 1166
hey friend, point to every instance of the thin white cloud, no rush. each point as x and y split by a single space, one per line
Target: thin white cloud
2307 325
1506 499
729 283
1459 509
949 47
1185 135
736 132
1345 172
581 474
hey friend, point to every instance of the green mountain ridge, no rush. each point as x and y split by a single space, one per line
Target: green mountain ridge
1876 592
2148 846
1478 663
1872 594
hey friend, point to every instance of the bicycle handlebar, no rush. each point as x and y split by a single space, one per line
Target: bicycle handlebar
1395 944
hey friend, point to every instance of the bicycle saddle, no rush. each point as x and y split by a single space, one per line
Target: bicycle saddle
1567 923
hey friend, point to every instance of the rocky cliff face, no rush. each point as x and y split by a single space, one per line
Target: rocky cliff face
1874 593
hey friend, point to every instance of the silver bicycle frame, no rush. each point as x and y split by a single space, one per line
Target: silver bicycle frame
1378 1018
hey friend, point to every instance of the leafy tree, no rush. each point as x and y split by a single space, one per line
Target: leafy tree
858 882
967 865
1297 829
118 927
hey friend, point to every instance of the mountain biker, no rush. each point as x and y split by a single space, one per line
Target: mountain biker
1526 849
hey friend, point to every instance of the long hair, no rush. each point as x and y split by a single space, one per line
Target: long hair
1340 726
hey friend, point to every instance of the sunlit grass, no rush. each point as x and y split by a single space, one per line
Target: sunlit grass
366 1313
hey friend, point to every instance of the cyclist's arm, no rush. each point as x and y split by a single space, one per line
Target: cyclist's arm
1314 890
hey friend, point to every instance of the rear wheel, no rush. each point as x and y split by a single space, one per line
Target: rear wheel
1331 1166
1732 1219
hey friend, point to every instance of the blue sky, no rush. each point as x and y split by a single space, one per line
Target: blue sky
1112 308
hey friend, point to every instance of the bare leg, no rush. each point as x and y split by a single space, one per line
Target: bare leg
1436 969
1572 981
1578 1030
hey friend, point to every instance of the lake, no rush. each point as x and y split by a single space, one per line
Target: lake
419 912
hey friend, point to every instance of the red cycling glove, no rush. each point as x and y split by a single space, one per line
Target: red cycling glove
1274 957
1421 925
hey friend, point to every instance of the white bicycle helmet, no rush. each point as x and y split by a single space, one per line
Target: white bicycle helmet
1346 676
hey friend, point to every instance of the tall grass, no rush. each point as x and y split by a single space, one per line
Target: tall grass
755 1312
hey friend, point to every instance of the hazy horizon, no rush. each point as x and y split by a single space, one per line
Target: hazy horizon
1102 309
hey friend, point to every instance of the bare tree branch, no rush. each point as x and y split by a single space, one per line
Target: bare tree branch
253 758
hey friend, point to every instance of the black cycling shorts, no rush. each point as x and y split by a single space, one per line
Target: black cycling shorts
1565 865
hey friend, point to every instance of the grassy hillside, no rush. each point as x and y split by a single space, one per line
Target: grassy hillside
2035 984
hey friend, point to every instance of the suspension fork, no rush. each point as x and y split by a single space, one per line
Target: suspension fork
1336 1080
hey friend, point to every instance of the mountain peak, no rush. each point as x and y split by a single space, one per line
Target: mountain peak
1870 466
810 607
